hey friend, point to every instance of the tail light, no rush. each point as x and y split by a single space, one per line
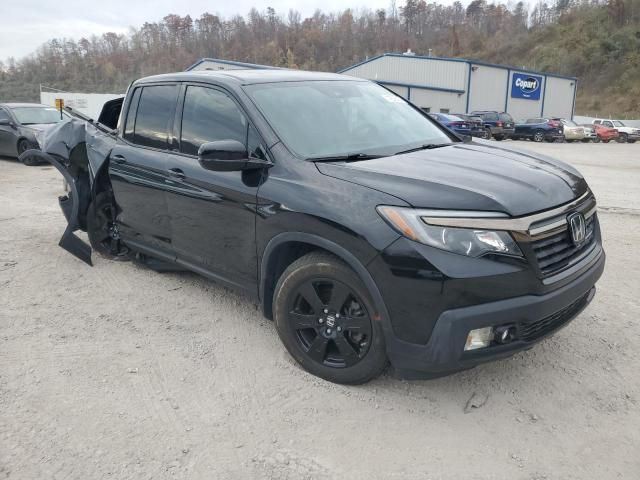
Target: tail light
499 124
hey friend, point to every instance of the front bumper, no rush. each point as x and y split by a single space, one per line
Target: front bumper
534 317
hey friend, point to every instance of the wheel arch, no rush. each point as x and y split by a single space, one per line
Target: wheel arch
285 248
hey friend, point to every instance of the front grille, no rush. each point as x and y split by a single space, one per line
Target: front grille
534 330
557 251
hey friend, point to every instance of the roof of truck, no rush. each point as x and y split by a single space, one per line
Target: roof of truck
249 76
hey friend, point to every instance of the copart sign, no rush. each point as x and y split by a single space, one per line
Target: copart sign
526 86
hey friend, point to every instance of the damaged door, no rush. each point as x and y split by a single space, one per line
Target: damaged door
138 170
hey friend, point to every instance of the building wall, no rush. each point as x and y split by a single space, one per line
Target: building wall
487 89
213 65
559 97
417 71
437 101
89 104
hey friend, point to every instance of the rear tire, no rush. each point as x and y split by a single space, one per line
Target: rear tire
499 138
327 320
103 231
597 140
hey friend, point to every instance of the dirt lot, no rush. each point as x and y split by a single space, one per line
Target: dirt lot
119 372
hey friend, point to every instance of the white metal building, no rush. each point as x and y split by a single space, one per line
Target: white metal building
89 104
218 64
456 85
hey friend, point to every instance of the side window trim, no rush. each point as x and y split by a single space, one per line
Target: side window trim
177 130
170 127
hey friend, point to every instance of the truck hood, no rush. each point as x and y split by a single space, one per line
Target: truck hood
468 176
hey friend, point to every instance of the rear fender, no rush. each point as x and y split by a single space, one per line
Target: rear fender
70 205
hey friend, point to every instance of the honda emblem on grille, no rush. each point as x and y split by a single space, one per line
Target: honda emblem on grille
577 227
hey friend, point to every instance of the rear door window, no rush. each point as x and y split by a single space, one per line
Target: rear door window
154 118
608 124
210 115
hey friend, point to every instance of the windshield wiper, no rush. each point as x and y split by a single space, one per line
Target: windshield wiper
351 157
428 146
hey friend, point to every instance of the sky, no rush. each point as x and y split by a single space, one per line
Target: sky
27 24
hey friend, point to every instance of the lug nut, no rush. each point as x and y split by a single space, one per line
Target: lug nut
326 311
339 329
337 315
320 320
328 331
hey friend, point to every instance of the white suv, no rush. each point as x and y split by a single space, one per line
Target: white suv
627 134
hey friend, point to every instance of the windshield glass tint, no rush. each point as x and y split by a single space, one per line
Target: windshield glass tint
334 118
31 115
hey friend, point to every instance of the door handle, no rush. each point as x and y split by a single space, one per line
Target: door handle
119 159
176 173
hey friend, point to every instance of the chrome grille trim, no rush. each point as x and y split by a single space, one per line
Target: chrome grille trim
522 224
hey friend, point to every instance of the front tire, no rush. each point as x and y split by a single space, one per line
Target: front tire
103 231
623 138
327 321
23 146
487 134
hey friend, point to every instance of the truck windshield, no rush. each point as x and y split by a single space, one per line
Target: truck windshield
34 115
339 118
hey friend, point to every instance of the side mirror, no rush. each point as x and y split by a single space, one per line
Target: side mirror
227 156
5 122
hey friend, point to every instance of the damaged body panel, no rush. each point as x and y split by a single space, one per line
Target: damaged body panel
79 149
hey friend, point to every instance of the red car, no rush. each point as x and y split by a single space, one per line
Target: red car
604 134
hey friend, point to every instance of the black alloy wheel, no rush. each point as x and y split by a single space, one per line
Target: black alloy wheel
102 228
327 321
330 323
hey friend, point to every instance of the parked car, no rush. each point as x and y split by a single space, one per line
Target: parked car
21 124
499 125
605 133
453 123
571 130
539 130
625 133
590 134
475 123
367 231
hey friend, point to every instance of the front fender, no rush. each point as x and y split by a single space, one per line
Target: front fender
338 251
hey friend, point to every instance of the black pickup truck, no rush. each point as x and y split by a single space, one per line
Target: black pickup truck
367 231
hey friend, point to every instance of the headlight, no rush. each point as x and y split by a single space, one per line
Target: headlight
465 241
39 138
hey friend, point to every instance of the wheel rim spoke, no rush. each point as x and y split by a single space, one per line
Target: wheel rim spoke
309 293
339 295
346 349
318 348
300 321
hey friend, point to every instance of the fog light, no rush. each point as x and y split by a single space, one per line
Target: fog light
479 338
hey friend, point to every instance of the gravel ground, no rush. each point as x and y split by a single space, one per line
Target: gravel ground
119 372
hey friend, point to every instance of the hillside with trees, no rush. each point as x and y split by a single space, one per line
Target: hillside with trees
597 41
